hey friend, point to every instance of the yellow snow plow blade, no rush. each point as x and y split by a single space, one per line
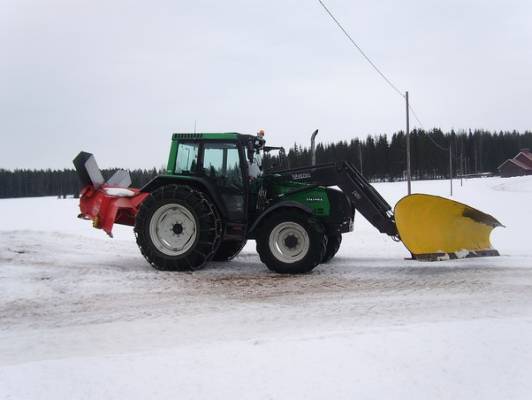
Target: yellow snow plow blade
434 228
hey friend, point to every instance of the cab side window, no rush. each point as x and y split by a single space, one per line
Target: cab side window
187 158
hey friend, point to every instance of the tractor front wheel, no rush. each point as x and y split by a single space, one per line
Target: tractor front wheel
177 228
291 242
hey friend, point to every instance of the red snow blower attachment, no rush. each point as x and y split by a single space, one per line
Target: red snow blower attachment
106 202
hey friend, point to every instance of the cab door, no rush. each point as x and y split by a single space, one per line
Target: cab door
222 167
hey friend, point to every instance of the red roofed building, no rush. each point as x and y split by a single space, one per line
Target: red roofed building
521 164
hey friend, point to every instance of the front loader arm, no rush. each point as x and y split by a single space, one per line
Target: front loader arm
362 195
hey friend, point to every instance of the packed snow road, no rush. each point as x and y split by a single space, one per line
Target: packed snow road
56 281
83 316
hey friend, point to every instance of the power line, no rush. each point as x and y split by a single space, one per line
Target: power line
361 51
434 142
390 83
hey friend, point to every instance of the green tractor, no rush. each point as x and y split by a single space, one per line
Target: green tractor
215 196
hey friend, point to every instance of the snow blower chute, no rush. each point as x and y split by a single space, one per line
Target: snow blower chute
214 196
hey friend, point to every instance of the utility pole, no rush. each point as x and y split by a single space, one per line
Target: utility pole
461 163
408 172
451 165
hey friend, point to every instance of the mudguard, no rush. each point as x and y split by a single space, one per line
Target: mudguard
281 204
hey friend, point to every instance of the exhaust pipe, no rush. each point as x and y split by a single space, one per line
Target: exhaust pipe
313 147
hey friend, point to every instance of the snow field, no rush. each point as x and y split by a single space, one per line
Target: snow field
84 316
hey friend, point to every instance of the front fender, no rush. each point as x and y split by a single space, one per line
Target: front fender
277 206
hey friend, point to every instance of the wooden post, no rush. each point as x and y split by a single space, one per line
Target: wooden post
451 165
462 163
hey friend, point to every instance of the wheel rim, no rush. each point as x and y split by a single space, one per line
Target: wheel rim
289 242
173 229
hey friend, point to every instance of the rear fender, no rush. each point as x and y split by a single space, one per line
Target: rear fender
193 181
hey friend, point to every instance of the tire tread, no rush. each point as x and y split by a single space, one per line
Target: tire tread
210 228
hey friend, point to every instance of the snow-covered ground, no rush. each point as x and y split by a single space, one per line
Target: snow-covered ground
84 316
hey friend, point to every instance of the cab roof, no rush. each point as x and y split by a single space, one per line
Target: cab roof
211 136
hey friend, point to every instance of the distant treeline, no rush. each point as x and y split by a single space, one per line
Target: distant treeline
384 158
379 157
32 183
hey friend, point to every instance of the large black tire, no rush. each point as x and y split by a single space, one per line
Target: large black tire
229 250
201 217
333 245
281 244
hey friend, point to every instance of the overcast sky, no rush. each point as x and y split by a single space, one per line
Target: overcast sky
116 78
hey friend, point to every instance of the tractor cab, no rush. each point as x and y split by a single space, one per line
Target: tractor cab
218 163
216 155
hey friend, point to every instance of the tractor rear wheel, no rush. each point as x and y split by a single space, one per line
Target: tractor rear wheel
177 228
333 245
291 242
229 250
